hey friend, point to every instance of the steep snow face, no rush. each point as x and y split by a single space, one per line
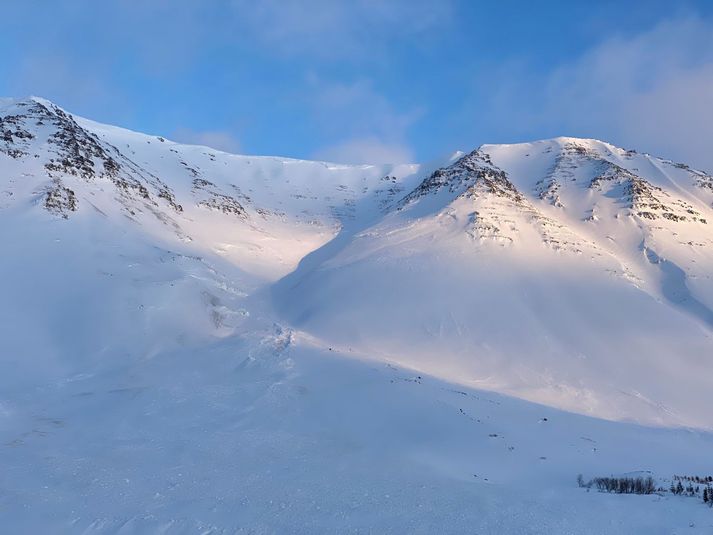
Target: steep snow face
198 341
566 272
653 214
533 269
262 214
107 232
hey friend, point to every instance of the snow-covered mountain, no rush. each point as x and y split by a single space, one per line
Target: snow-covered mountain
567 272
199 341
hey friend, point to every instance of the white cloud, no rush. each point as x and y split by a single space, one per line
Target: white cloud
359 108
216 139
371 129
366 151
652 91
337 28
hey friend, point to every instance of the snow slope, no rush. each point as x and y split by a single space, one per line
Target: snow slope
548 271
200 342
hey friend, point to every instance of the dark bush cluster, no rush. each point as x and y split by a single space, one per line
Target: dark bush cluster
708 496
684 486
680 486
625 485
679 489
694 479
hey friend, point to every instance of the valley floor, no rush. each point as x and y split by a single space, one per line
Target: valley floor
271 433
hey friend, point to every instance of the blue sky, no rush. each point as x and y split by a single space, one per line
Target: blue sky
374 80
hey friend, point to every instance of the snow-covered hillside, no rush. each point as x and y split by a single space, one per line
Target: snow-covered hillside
567 272
195 341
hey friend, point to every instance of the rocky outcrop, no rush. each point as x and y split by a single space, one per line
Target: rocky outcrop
642 198
69 150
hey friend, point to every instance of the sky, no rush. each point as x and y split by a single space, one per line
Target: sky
374 81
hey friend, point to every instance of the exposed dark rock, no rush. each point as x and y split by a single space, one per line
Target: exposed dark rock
214 199
472 173
643 198
60 200
225 204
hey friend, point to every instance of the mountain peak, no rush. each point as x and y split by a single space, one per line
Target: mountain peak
292 309
28 100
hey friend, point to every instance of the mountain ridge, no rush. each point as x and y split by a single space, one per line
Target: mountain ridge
626 220
199 341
